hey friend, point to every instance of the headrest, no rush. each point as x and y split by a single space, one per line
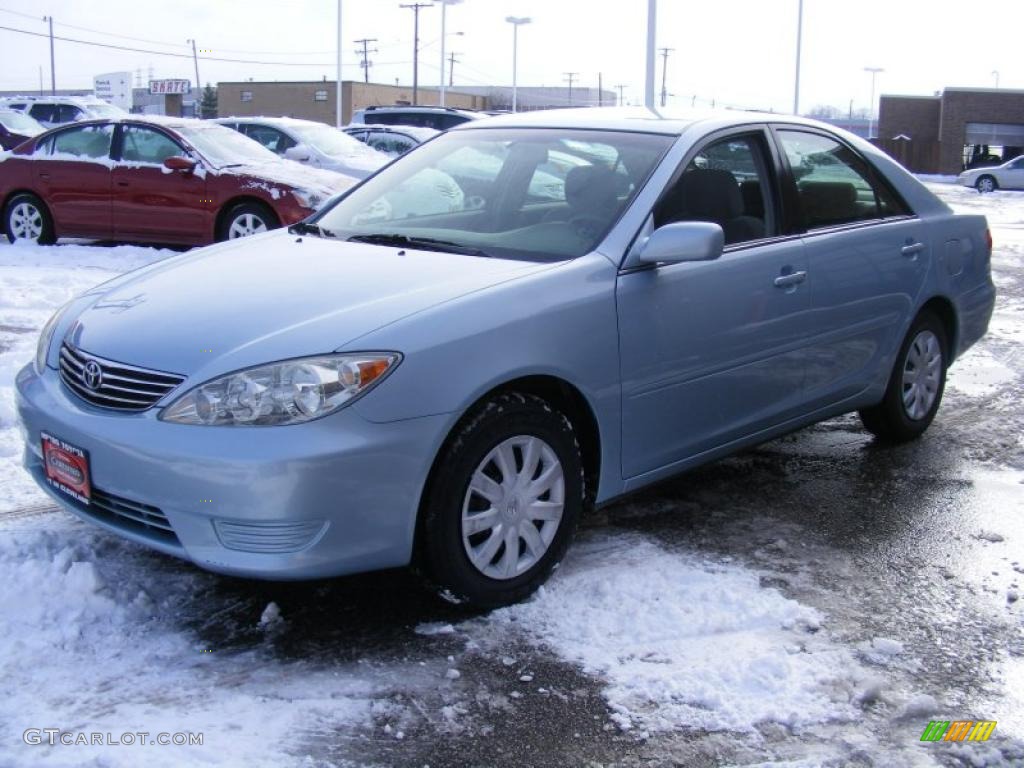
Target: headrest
591 188
828 201
711 194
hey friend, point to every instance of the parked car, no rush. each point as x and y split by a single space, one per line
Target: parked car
392 140
146 179
438 118
310 143
1009 175
368 390
16 127
60 110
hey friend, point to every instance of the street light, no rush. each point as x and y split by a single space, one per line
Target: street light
799 44
444 37
871 110
995 74
516 22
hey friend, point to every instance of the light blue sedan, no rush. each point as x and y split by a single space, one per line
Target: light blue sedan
374 388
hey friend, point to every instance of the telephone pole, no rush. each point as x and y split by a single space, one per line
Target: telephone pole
416 47
570 77
600 91
195 61
452 61
622 94
53 73
664 74
366 63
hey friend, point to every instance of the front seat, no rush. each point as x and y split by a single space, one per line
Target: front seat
590 191
712 194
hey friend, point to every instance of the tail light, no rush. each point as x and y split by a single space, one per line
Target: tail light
988 239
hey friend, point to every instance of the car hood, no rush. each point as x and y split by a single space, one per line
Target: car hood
290 174
359 165
271 297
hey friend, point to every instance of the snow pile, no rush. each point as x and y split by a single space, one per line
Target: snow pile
979 374
87 644
683 642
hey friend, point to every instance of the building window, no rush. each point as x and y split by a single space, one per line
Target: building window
320 96
246 95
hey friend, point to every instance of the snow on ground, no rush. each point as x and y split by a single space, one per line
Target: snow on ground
683 641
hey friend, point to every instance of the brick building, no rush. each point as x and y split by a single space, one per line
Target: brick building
946 132
315 100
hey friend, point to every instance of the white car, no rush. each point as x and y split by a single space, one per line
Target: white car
311 143
1009 175
60 110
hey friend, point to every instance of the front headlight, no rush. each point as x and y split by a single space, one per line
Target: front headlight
309 198
290 392
46 337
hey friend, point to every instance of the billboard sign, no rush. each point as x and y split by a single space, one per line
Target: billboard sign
169 87
114 88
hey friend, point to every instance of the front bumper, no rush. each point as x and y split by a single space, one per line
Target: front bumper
334 496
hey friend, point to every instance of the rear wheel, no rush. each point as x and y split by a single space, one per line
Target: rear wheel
987 184
503 503
28 220
246 219
916 385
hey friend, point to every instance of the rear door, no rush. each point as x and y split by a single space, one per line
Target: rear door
152 203
868 258
74 176
275 140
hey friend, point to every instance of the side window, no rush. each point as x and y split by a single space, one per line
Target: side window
68 113
144 145
44 113
1018 165
90 142
728 184
834 184
271 138
390 143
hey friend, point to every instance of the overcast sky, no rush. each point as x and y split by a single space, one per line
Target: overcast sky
738 52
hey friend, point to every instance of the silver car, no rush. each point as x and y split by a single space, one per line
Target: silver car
1009 175
373 388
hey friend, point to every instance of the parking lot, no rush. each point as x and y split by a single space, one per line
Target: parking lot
815 601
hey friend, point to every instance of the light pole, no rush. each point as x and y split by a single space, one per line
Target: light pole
337 95
995 74
871 110
652 24
799 45
516 22
444 39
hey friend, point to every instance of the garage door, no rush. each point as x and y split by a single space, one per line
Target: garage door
999 134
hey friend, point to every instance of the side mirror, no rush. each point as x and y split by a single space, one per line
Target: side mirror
683 241
178 163
299 153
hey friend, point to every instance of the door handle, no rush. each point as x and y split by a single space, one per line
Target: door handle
44 175
122 184
793 278
912 249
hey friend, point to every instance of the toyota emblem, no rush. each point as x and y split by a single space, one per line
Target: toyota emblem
92 375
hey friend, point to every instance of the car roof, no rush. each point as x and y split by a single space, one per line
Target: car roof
421 132
271 120
422 109
80 101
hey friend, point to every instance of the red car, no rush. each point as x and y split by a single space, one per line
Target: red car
158 180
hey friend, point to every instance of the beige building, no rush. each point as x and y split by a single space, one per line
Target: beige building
314 100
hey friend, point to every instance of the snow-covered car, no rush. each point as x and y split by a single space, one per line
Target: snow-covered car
373 388
51 111
148 179
1009 175
392 140
16 127
438 118
310 143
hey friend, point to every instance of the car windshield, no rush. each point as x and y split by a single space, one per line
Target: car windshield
223 146
20 123
536 194
103 109
331 141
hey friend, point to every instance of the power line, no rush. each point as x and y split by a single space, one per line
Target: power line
366 63
622 97
415 8
452 61
664 74
570 77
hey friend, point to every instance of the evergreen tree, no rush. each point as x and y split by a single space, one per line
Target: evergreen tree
208 106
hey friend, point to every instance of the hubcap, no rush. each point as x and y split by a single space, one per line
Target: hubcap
245 225
986 185
513 507
922 371
26 222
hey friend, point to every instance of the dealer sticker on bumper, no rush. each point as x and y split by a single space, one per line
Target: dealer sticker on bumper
67 468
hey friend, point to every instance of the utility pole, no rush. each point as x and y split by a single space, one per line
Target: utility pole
53 73
337 77
622 95
416 48
652 25
664 74
452 61
40 79
799 44
366 63
195 60
600 91
871 111
570 77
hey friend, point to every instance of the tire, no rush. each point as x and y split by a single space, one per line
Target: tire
925 349
247 219
986 183
509 427
27 218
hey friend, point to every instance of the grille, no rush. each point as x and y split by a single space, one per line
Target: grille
120 387
269 538
129 514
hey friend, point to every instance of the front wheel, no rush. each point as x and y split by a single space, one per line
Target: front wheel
986 184
27 219
503 503
247 219
916 385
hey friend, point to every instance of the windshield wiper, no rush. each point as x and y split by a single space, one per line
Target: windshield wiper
421 243
305 228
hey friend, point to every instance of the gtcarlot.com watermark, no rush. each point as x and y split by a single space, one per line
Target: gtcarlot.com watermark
55 736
